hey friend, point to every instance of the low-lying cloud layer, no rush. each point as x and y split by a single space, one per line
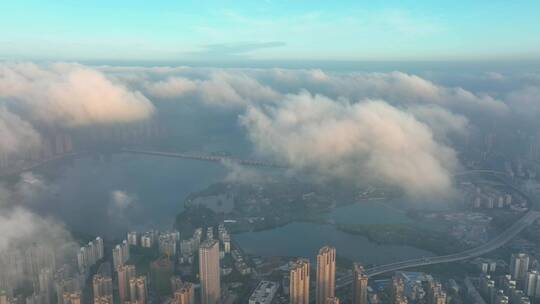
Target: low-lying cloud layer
70 95
16 134
25 232
64 96
393 127
371 141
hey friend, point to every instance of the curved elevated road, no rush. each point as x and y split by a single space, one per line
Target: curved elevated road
529 218
495 243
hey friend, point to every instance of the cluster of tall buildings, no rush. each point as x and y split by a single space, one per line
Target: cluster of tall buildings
47 268
415 287
210 252
167 243
189 246
325 282
487 197
102 288
50 146
120 254
517 287
89 255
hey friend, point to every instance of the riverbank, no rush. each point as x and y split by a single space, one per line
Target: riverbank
406 234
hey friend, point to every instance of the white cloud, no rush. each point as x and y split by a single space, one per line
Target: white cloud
219 87
172 87
121 200
70 95
16 135
370 140
441 121
24 231
526 102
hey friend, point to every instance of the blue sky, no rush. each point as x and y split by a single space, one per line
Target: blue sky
269 30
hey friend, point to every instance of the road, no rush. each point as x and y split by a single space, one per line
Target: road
529 218
209 158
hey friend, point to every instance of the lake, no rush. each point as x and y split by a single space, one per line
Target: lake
305 239
80 193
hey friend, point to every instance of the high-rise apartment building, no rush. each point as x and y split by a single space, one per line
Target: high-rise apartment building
138 291
360 285
519 266
326 274
132 238
299 282
125 273
102 286
532 284
120 254
209 272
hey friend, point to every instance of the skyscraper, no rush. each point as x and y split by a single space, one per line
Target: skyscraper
120 254
532 284
326 274
299 282
142 290
209 272
519 265
101 286
360 285
184 295
46 284
125 273
132 238
138 291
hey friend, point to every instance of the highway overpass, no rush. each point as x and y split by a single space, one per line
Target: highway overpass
529 218
209 158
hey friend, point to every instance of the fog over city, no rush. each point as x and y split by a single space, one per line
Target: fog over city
269 152
398 128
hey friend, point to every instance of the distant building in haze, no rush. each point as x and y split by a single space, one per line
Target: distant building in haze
161 271
519 266
132 238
